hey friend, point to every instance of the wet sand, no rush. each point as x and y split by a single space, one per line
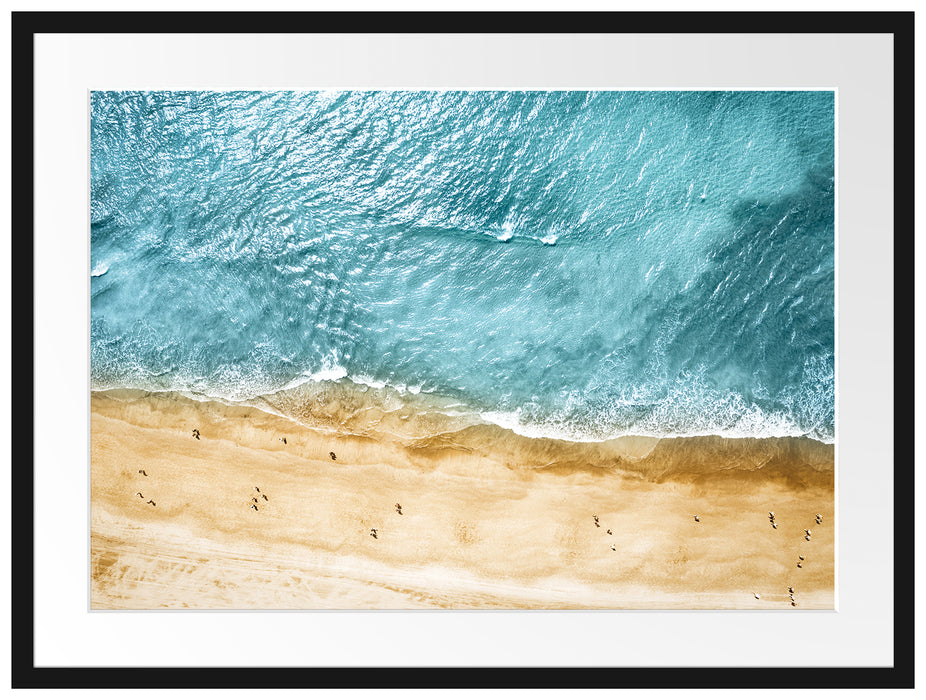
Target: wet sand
489 519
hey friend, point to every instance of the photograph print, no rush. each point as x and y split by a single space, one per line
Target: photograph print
462 349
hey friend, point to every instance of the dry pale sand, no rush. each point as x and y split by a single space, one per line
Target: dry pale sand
477 529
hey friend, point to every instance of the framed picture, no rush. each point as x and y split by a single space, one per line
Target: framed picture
551 353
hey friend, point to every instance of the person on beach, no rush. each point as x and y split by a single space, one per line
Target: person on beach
398 508
196 433
373 533
332 455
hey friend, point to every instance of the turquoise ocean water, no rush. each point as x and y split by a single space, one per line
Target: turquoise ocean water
580 265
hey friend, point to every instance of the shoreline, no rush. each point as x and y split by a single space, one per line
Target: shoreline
383 409
489 519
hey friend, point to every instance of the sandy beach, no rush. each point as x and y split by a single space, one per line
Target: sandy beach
239 519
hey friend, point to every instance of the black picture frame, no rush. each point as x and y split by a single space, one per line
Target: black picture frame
25 674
